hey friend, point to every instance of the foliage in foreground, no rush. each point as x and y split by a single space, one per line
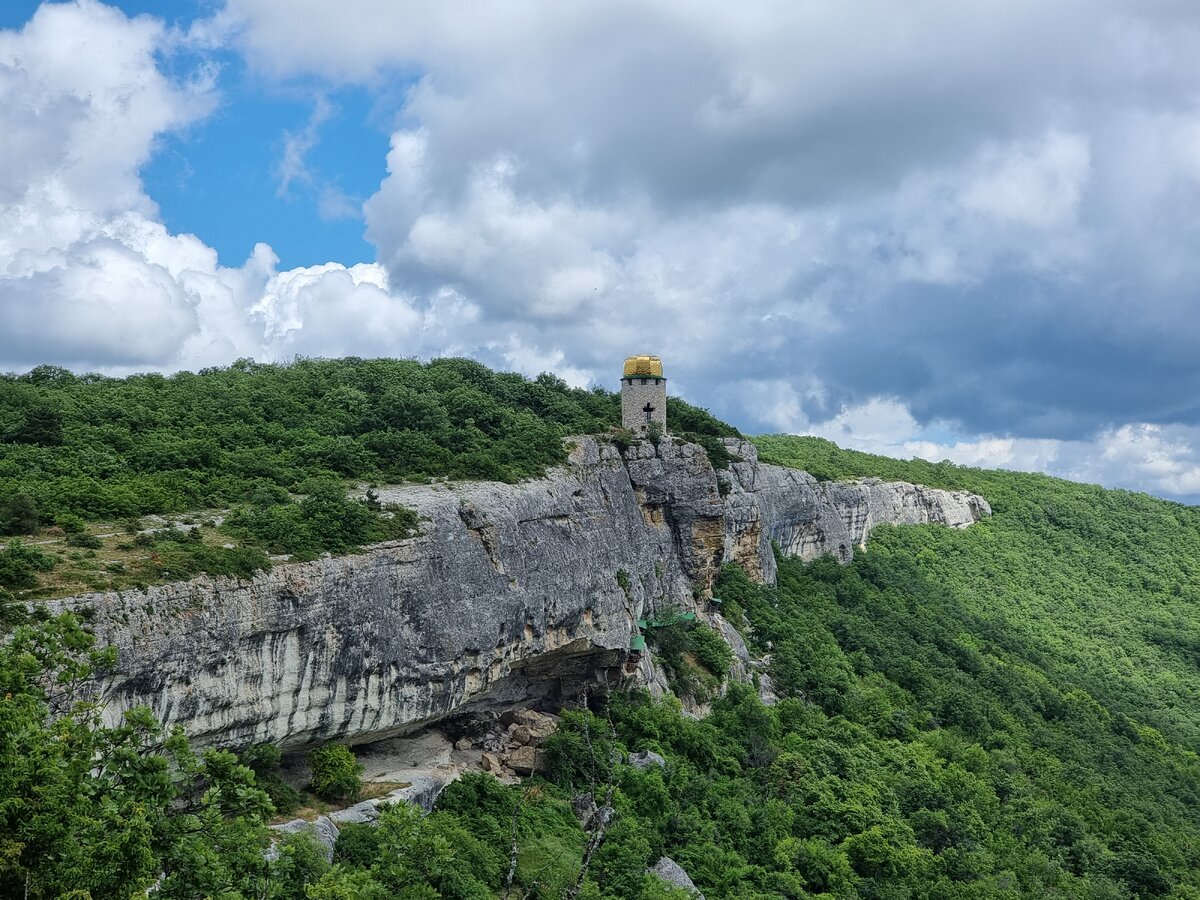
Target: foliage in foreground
89 810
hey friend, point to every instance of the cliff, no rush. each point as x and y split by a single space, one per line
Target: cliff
508 593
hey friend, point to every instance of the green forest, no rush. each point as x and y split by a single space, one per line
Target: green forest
260 456
1006 711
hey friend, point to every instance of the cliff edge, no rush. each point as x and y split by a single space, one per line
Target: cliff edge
508 594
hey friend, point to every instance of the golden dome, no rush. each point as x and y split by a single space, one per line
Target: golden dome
643 367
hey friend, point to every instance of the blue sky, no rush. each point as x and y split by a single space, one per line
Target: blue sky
960 231
219 178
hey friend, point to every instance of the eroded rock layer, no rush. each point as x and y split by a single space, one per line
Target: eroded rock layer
509 593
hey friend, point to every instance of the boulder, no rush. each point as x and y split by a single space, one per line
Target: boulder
489 762
672 873
422 792
323 829
360 814
645 759
520 734
525 760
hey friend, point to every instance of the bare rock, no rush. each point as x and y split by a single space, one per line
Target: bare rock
520 734
673 874
489 762
766 690
525 760
462 744
584 807
363 813
645 759
422 791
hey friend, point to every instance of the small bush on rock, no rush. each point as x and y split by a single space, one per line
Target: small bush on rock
264 760
336 774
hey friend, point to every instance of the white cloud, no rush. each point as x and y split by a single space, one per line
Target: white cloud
296 145
1138 456
88 276
885 223
1038 185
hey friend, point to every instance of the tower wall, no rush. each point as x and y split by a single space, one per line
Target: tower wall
636 394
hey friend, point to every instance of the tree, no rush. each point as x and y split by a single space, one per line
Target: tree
19 515
42 426
335 773
107 811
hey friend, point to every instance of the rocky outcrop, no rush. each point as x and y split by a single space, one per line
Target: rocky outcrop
509 594
666 869
810 518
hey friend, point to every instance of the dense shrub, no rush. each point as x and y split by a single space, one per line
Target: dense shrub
357 845
159 444
84 541
18 515
325 520
264 760
336 774
19 565
695 656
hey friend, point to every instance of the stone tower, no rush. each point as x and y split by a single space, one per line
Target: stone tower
643 394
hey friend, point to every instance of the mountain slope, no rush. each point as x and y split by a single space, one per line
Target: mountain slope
1105 584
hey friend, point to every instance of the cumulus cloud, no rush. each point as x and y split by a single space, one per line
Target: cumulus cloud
970 207
88 275
931 228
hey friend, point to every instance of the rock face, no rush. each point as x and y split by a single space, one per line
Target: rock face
673 874
810 518
509 594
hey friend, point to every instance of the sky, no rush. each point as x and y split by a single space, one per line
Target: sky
938 229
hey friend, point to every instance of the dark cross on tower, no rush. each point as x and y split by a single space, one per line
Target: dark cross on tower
649 411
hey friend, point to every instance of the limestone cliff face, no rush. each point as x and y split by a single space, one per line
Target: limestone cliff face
509 592
810 518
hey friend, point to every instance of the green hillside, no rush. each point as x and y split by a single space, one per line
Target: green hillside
1007 711
1102 585
265 451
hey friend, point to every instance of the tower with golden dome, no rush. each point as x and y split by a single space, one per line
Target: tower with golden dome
643 394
